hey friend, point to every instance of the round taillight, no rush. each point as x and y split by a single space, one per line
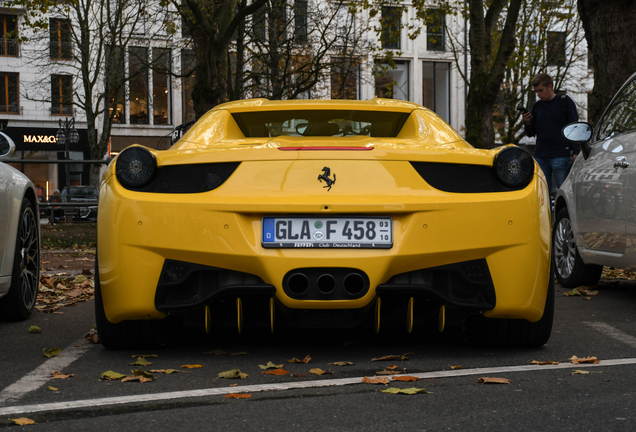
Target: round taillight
514 167
135 167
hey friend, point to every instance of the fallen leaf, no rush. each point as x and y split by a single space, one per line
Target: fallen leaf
574 292
238 395
171 371
59 375
35 329
402 357
487 380
139 378
576 360
549 362
270 365
216 352
276 372
405 378
92 336
143 373
51 352
144 356
455 367
375 380
408 391
341 363
111 375
318 371
79 279
192 366
578 371
388 372
233 385
234 373
391 367
306 360
238 353
52 388
22 421
141 361
87 272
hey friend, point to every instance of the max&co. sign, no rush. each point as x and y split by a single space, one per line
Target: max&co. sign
45 139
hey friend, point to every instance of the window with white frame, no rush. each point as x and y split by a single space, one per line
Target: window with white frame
436 88
391 22
392 83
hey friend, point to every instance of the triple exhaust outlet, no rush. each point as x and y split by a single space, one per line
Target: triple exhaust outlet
326 283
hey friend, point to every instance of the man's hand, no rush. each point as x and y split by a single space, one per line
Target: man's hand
526 117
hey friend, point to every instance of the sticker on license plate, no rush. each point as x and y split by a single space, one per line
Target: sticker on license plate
333 232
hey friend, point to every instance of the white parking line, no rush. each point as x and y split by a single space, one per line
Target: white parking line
613 332
124 400
39 376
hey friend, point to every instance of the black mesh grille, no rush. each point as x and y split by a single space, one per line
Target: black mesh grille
459 178
190 178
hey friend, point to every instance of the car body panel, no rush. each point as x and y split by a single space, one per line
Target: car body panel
601 196
222 227
14 186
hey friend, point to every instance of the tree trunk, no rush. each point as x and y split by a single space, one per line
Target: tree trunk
610 33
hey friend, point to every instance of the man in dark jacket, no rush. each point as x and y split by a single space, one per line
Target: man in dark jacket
545 120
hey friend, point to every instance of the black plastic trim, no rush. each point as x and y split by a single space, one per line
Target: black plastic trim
194 178
460 178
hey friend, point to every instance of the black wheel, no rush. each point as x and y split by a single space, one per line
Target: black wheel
25 275
131 334
571 271
515 333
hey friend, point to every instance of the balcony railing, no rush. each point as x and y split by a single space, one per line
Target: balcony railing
10 109
9 47
62 110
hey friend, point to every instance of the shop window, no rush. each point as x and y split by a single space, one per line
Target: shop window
436 88
60 44
300 21
556 49
345 78
392 83
9 46
188 62
435 30
116 79
161 103
9 93
138 84
61 95
391 27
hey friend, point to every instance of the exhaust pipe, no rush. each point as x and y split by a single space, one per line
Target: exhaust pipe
354 283
298 283
326 283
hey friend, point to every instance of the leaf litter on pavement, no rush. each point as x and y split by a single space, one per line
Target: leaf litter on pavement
306 360
55 293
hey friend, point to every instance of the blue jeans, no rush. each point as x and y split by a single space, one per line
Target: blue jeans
558 166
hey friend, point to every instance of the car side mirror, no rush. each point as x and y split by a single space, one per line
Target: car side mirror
579 133
7 146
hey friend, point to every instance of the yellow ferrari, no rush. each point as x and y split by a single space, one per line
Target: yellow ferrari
323 213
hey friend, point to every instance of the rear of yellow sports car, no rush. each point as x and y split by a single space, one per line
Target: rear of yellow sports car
324 213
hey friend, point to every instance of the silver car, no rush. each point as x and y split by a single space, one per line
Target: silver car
595 209
19 240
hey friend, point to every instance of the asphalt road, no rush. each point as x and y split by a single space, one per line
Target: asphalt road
550 397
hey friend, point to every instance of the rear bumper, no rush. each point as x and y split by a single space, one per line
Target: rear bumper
508 231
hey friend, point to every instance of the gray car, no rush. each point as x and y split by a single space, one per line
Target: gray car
595 209
19 239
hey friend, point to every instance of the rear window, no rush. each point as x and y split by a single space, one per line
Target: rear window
316 123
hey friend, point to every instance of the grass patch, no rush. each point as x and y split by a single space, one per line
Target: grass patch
69 236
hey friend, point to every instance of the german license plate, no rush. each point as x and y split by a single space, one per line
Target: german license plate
332 232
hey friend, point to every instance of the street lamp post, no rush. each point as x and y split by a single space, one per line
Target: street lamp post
67 135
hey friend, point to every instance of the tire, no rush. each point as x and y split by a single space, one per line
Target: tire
571 271
515 333
18 304
130 334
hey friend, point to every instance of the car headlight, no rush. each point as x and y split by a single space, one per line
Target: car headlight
514 167
136 167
